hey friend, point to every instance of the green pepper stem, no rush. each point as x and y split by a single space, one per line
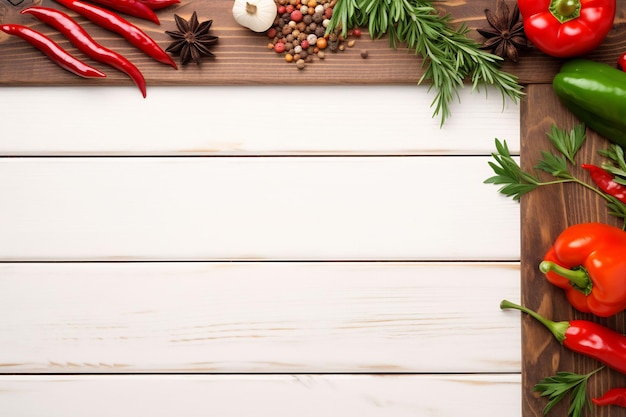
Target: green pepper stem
557 328
579 278
565 10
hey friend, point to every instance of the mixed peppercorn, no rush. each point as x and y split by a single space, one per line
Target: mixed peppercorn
299 31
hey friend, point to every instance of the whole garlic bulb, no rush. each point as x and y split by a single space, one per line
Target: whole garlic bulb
256 15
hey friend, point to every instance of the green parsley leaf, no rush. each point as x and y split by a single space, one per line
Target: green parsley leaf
515 181
618 166
557 387
556 165
616 207
568 143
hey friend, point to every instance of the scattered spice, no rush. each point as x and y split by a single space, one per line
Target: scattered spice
299 31
505 35
192 39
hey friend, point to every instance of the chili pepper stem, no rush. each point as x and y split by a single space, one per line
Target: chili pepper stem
557 328
579 278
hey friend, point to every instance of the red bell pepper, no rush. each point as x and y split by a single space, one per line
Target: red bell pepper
567 28
588 261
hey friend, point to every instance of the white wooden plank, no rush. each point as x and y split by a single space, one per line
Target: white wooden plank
250 120
328 208
263 396
258 317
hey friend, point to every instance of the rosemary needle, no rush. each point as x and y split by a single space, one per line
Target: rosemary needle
450 57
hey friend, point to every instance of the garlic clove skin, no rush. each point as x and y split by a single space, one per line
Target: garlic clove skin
256 15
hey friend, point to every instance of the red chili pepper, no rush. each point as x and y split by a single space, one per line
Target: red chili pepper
567 28
117 24
584 337
621 62
614 396
57 54
606 181
159 4
81 39
588 261
130 7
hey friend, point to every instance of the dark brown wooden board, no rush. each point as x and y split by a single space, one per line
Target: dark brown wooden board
545 213
242 56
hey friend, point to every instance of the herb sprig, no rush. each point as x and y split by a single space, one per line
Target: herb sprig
558 386
618 166
516 182
449 55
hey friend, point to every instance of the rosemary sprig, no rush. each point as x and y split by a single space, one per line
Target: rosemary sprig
516 182
449 55
558 386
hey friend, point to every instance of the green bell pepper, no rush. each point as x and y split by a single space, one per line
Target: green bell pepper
596 94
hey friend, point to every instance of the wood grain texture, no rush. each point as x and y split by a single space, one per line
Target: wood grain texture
243 57
258 317
545 213
263 395
237 208
215 120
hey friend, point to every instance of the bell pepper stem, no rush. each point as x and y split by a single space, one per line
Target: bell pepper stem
579 278
557 328
565 10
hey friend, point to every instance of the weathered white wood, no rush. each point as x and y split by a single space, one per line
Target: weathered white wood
250 120
258 317
328 208
263 396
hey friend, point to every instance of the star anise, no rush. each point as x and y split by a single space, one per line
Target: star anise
192 39
505 36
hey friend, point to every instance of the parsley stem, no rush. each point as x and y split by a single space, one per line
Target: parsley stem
577 181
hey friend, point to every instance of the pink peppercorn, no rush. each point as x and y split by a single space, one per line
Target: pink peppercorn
271 32
279 48
328 13
304 44
296 16
356 32
289 8
281 10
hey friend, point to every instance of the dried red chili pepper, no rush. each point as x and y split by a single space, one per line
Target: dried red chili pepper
584 337
614 396
111 21
131 7
588 261
57 54
81 39
606 182
159 4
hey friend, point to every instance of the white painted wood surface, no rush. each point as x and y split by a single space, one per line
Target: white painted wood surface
258 317
266 395
352 268
262 120
322 208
